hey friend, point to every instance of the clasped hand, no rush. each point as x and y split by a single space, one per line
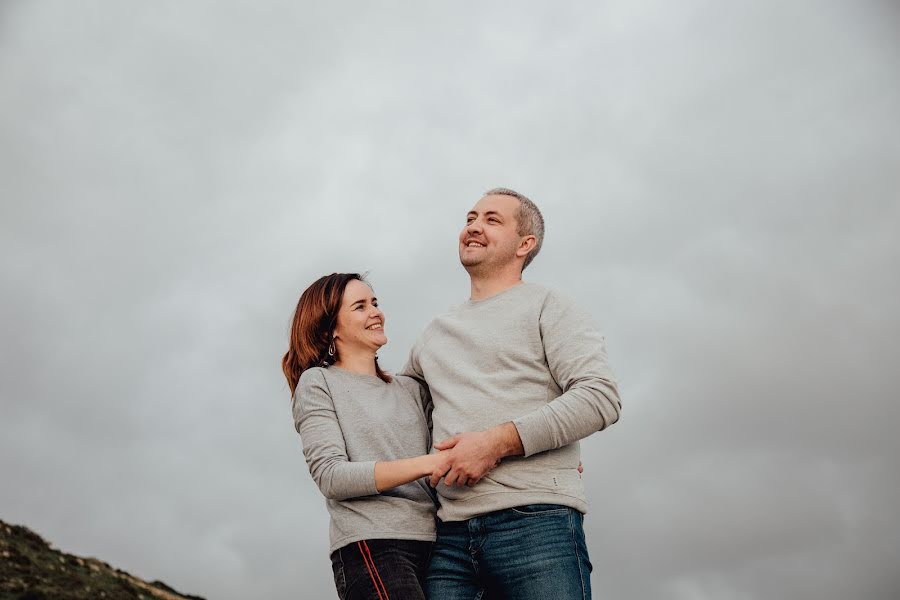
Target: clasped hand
465 458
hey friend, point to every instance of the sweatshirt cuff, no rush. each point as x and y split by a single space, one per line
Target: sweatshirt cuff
361 477
534 432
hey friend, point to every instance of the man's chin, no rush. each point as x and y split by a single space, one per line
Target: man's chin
471 256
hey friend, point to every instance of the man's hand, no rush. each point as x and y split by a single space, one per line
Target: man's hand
472 455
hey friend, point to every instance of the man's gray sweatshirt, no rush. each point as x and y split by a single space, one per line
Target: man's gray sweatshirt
347 422
526 355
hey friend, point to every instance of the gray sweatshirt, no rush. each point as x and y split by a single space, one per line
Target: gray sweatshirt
525 355
347 422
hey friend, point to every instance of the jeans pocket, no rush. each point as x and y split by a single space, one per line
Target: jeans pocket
540 510
337 567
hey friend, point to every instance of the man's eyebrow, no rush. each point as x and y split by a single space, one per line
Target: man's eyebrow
487 213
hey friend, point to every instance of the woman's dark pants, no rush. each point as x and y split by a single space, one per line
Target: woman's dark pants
381 570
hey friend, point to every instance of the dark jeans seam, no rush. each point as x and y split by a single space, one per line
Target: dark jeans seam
577 558
342 590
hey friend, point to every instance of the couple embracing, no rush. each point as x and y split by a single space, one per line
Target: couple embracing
458 477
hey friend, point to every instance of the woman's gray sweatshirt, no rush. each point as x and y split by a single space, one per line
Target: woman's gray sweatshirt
347 422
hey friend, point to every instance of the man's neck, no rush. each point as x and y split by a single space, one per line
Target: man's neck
483 287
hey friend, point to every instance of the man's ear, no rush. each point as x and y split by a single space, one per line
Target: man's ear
526 245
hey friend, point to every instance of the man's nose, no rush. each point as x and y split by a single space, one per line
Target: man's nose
474 226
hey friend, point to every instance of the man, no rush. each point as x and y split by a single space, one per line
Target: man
523 373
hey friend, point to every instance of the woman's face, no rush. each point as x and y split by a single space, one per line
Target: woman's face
360 323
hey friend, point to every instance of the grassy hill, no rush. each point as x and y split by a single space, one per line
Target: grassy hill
31 570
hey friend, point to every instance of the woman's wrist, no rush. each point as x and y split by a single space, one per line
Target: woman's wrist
429 463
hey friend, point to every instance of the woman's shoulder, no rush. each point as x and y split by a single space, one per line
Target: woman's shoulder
312 377
410 384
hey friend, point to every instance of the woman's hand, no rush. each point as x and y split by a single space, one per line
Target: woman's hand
438 465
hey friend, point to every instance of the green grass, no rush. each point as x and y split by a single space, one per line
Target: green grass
30 569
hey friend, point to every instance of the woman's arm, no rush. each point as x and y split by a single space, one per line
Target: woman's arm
323 442
390 474
336 476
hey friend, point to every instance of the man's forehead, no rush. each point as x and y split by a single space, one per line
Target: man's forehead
501 203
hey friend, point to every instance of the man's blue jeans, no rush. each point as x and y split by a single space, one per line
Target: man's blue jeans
533 552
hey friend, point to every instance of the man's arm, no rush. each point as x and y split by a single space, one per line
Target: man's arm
576 357
479 452
475 453
412 368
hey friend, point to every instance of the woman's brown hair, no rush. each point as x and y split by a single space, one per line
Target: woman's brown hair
313 326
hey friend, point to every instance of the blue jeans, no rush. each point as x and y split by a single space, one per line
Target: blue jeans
532 552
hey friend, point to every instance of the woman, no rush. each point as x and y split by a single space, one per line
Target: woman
366 438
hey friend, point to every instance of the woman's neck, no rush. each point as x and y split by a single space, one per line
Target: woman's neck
362 363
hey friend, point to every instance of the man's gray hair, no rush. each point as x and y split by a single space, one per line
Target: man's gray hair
529 218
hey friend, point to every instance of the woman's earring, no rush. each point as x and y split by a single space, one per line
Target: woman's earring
331 348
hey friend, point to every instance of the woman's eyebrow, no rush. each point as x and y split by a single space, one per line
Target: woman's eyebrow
363 301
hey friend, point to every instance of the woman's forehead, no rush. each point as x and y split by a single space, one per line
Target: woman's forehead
357 290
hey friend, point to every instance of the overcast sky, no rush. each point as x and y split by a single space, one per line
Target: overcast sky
720 182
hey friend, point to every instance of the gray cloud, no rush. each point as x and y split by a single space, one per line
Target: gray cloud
720 188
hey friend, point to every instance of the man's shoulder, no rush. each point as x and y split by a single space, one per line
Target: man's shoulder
548 297
448 313
538 289
531 297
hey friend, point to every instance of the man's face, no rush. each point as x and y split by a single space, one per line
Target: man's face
489 239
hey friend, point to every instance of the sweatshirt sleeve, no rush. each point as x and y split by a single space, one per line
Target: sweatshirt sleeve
419 390
576 357
412 368
323 442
